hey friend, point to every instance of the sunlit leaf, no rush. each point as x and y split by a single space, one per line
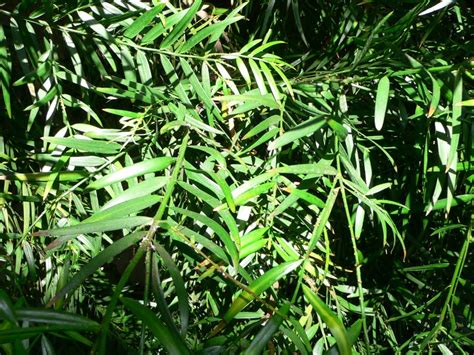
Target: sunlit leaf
381 101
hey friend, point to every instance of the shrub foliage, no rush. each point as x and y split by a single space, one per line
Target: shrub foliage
218 178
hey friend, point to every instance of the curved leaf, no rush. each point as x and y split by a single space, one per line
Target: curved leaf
95 263
332 321
142 168
381 101
181 26
172 343
258 286
265 334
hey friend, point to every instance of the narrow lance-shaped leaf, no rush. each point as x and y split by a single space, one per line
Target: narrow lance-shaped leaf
55 322
95 26
258 286
6 308
68 233
40 73
258 76
225 189
313 169
5 69
212 30
144 69
142 168
140 23
48 316
302 130
179 285
173 345
125 208
95 263
181 26
203 94
266 333
44 177
352 334
144 188
435 97
381 101
85 145
44 99
96 227
455 122
217 228
332 321
161 27
262 126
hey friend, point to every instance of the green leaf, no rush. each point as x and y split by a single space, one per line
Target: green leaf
123 113
95 26
98 261
352 335
465 103
201 126
297 18
442 204
302 130
67 233
338 128
264 47
258 286
258 76
179 29
253 98
224 188
141 189
435 97
270 81
70 101
243 70
128 64
141 22
54 321
143 68
381 101
7 311
159 29
217 228
85 144
266 333
455 123
40 73
203 94
125 208
215 30
306 196
185 234
64 176
179 285
44 100
96 227
138 169
252 242
5 72
312 169
56 317
332 321
264 138
55 174
244 197
173 344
